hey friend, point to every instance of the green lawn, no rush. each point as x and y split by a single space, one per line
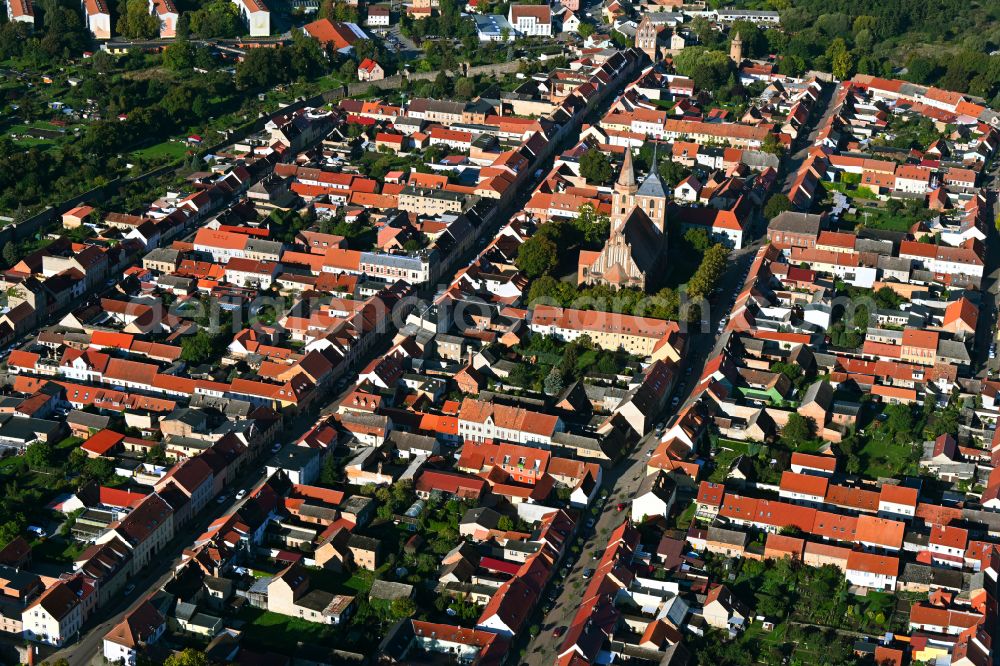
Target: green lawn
281 632
168 150
880 456
879 218
729 451
683 520
57 549
69 443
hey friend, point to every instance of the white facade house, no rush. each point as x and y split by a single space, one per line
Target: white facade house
494 28
98 18
22 11
256 16
531 20
913 179
54 617
143 626
247 272
947 545
758 16
570 22
803 488
654 498
897 502
378 16
877 572
688 190
166 13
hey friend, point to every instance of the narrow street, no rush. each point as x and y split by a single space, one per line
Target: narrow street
85 650
990 288
791 163
623 480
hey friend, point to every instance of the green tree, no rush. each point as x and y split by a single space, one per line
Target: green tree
12 528
217 18
593 227
792 64
772 144
844 64
840 59
40 454
537 255
585 30
137 22
798 430
709 69
553 382
400 609
201 347
777 204
712 266
189 657
465 88
179 56
595 167
921 69
11 253
99 469
698 240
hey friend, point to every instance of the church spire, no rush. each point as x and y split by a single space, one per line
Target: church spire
627 177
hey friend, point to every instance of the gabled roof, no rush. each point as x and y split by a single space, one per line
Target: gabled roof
137 627
884 565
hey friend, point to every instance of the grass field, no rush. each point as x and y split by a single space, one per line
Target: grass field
879 218
168 150
281 632
729 450
880 456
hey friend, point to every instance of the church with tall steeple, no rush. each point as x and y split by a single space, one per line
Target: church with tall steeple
634 253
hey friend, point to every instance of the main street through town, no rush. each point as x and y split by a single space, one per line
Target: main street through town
85 650
620 482
623 479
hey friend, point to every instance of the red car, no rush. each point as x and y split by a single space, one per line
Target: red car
620 507
558 631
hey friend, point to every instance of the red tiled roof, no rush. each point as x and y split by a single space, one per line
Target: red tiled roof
877 564
880 531
330 32
804 484
825 463
710 493
102 442
898 495
117 497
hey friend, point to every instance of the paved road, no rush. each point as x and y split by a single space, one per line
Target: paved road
86 649
624 479
989 310
792 163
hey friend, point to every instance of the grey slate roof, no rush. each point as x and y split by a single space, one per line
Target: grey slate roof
651 186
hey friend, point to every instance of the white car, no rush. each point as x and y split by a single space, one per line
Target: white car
241 494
